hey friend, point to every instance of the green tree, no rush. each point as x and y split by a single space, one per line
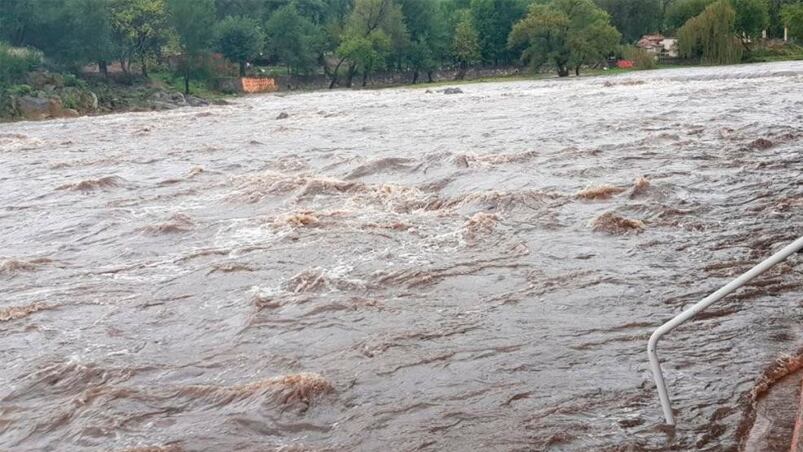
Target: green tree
792 17
293 39
711 35
366 53
428 35
493 20
679 12
369 18
333 10
422 58
593 41
18 19
752 18
73 32
776 27
243 8
565 33
634 18
16 62
191 20
141 27
465 44
239 39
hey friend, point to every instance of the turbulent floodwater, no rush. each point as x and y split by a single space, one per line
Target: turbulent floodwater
402 269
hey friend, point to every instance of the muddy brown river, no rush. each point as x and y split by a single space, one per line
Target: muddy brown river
401 269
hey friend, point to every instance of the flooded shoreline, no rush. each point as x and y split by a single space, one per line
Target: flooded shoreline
402 270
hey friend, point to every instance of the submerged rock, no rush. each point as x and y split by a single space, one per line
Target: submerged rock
614 224
761 144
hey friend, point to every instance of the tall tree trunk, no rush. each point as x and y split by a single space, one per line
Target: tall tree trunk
144 63
415 76
461 72
242 68
350 78
429 76
187 75
577 70
334 74
365 79
19 37
103 68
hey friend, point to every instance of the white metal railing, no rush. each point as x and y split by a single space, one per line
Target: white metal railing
794 247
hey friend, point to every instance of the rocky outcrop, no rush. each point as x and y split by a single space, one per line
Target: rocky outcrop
30 107
46 95
56 101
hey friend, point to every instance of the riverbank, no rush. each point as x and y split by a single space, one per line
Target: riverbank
50 95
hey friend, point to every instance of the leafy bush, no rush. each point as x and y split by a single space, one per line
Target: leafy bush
72 80
641 58
774 51
70 99
15 62
19 90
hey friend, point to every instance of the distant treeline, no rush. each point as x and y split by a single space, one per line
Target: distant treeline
353 38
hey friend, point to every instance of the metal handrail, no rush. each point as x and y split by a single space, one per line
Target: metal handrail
787 251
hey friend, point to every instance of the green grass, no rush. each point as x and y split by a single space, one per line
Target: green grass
199 88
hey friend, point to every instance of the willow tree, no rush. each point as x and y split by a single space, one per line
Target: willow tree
711 35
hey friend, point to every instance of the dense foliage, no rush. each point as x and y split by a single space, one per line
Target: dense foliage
792 17
348 38
565 33
711 36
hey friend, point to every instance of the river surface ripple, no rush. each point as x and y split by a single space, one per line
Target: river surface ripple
402 269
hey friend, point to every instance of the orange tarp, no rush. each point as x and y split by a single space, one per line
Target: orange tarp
258 85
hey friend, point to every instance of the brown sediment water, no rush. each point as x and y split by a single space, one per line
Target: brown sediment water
395 270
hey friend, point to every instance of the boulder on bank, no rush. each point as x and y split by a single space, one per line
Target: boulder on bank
30 107
164 100
194 101
49 96
79 99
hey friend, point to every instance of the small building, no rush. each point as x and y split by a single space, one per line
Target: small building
659 45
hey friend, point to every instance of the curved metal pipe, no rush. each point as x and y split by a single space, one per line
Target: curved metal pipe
652 345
